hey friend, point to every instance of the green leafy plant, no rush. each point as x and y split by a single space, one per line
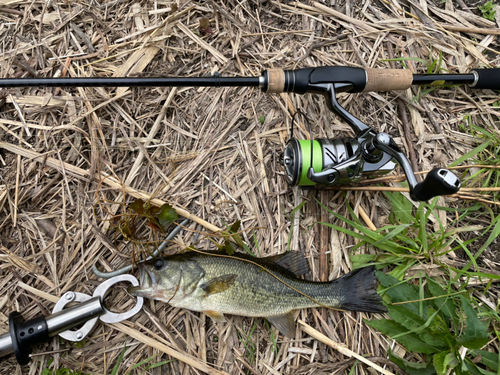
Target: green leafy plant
488 10
430 320
157 218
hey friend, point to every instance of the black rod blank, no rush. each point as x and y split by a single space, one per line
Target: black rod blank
132 82
443 79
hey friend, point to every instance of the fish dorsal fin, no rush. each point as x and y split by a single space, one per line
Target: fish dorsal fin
293 261
284 323
215 315
218 284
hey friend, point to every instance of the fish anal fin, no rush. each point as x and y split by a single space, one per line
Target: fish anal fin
293 261
217 316
218 284
284 323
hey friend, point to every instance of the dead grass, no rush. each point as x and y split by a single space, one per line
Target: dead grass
206 152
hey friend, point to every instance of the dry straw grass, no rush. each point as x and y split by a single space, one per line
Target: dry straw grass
206 152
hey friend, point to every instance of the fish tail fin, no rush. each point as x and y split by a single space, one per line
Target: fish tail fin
359 291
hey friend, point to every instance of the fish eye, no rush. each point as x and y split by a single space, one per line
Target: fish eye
159 264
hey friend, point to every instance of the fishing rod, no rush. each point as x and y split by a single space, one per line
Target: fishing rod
322 162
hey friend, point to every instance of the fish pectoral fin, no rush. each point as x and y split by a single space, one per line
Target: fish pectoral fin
217 316
284 323
218 284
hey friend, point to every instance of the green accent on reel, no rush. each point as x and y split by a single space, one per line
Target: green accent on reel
305 150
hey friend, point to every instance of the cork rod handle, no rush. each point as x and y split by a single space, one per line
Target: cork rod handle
387 79
276 81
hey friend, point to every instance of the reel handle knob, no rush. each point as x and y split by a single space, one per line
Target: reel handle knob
439 181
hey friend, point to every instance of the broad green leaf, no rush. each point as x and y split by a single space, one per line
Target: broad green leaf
444 304
416 324
475 334
438 361
444 360
401 207
229 247
489 359
137 206
412 368
439 330
359 260
235 227
167 215
400 291
406 317
469 367
410 341
236 237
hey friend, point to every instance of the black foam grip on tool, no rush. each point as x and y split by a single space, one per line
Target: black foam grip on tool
26 334
487 79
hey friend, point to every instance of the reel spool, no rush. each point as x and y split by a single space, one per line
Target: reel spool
321 155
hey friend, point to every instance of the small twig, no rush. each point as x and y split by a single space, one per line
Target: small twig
341 348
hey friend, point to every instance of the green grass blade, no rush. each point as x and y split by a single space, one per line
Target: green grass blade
470 154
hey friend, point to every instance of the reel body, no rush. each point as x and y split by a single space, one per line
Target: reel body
336 161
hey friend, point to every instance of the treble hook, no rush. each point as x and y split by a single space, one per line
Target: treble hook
121 271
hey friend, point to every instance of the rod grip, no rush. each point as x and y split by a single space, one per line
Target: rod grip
275 81
487 79
387 79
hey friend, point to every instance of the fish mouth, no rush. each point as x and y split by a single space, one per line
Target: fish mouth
146 283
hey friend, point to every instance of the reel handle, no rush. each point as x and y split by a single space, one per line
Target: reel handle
439 181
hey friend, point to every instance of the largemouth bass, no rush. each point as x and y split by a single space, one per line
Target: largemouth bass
217 284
